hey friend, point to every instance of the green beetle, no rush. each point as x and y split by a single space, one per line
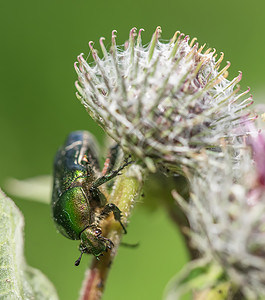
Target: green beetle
78 205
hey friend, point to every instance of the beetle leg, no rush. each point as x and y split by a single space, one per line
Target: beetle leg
105 178
111 159
110 207
109 243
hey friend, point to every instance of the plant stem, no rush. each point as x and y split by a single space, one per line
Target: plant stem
159 188
177 215
126 191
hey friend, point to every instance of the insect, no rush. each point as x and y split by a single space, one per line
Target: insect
78 201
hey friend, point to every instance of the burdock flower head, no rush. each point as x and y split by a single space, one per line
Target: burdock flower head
227 217
163 102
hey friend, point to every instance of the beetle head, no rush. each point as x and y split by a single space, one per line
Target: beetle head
93 243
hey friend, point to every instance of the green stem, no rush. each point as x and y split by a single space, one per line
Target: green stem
159 188
126 191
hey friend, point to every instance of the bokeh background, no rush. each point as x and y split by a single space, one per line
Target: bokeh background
39 44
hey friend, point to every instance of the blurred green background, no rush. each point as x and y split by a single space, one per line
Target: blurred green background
39 44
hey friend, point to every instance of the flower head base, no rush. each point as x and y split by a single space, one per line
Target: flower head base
163 102
227 215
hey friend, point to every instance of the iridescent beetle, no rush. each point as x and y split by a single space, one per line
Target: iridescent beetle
78 205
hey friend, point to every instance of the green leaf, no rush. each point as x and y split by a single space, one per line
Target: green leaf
17 280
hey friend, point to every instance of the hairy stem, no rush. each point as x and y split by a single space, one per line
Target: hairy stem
126 192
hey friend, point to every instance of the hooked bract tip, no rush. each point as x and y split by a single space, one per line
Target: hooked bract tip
90 44
79 58
173 39
239 77
192 41
113 37
187 38
158 31
139 37
214 50
133 31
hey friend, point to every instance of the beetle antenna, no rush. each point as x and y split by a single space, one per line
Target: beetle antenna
77 262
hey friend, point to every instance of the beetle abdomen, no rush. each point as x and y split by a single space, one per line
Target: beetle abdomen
72 213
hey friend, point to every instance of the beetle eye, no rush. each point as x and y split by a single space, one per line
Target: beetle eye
98 232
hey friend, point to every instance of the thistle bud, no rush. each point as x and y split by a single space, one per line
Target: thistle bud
227 216
165 102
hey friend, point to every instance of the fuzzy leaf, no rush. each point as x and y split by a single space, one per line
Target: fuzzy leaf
17 280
